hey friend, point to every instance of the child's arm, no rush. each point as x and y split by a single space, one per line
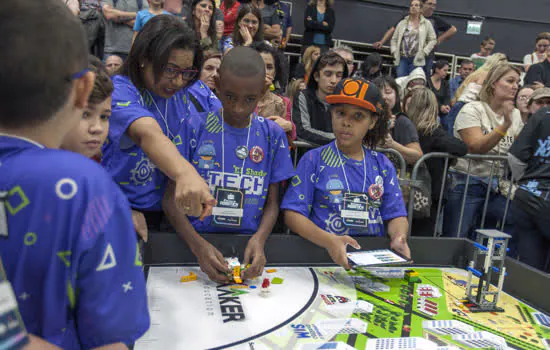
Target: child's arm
254 252
397 230
209 258
335 245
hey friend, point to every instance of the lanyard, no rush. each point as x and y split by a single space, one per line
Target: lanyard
223 148
163 116
344 169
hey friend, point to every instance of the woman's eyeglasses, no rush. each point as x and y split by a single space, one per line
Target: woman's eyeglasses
173 73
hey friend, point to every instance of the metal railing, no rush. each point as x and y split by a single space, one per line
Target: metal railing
361 50
470 157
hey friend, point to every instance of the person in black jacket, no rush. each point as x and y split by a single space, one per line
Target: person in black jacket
422 111
440 87
319 20
310 111
529 159
538 74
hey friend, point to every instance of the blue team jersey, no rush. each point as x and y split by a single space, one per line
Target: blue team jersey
141 181
71 251
203 100
266 161
317 191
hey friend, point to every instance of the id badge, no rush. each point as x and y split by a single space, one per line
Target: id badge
355 210
229 210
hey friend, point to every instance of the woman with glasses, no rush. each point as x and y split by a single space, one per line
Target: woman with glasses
521 102
150 103
413 40
248 28
539 55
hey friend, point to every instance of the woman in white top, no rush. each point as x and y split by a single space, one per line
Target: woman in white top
414 38
488 126
469 89
541 44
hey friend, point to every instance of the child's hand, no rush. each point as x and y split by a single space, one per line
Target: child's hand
254 251
337 250
212 263
140 225
399 244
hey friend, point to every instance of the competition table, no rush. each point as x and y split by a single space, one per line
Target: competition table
318 305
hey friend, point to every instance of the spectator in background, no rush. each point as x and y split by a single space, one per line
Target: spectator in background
530 163
413 40
440 87
202 21
486 49
402 136
443 30
230 10
310 111
423 111
522 100
296 85
539 99
120 16
287 23
466 68
74 6
470 88
248 28
539 73
113 64
319 21
417 78
92 18
271 18
539 55
346 53
488 126
143 16
271 106
372 67
210 68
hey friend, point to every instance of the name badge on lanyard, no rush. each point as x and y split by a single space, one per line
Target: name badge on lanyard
355 210
229 210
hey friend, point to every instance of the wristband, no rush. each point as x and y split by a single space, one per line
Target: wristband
500 132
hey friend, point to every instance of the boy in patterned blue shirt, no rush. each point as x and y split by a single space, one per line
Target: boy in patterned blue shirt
67 239
345 188
243 157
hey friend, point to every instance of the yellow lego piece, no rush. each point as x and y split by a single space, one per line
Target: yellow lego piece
271 270
191 277
237 274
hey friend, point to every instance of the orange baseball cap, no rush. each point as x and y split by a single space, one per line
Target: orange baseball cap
358 92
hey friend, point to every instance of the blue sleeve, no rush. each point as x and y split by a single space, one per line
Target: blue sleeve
282 167
300 194
190 133
110 291
127 106
393 205
139 22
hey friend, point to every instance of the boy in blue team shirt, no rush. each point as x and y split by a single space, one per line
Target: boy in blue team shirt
68 244
243 157
345 188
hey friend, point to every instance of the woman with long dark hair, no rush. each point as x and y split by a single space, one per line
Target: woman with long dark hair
148 104
248 28
202 21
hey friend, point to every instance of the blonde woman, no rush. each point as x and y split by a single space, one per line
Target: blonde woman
423 111
413 40
470 88
488 126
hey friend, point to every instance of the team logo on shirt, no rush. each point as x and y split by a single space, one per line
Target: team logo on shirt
376 192
335 190
207 155
143 171
544 148
256 154
334 224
